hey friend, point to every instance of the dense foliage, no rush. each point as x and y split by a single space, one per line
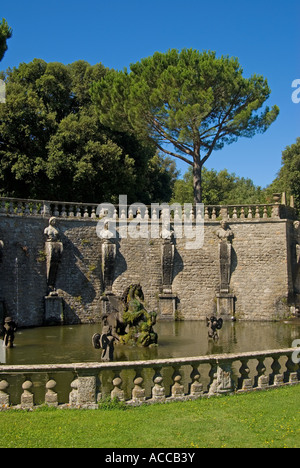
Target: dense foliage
52 145
219 188
288 179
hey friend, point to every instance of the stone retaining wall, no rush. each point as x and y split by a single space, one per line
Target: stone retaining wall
264 270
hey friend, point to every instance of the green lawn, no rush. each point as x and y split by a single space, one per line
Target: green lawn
258 419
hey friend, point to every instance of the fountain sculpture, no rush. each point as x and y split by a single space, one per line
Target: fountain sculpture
10 328
128 322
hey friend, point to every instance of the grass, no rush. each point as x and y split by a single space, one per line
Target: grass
258 419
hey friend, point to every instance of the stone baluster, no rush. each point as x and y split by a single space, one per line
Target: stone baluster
206 214
276 378
51 398
214 215
291 375
93 214
249 213
78 212
56 210
27 210
34 209
19 208
261 380
138 392
73 395
177 390
71 211
242 215
196 388
265 215
2 207
64 211
212 374
4 397
86 213
234 215
11 208
158 391
27 396
257 214
117 392
244 383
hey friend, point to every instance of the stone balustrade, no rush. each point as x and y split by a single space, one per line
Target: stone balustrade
76 211
137 382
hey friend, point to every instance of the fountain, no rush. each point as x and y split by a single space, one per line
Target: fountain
127 321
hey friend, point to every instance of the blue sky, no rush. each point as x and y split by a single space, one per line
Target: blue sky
263 34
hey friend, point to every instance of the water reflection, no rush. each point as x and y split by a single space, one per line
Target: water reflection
69 344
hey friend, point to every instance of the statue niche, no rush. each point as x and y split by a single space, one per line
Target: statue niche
54 250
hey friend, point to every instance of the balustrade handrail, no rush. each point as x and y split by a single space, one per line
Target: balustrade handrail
118 365
77 210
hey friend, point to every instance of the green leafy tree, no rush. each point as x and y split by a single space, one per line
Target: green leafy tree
220 188
53 146
288 179
5 33
188 103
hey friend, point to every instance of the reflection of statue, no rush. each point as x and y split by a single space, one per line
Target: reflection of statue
105 341
54 249
225 235
214 324
9 332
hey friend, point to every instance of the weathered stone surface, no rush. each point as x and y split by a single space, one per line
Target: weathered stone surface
263 270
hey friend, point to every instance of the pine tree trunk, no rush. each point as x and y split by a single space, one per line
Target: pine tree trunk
197 178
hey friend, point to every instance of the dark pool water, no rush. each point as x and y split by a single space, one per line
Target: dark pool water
69 344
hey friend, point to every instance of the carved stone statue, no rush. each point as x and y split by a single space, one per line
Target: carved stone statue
213 325
10 328
54 249
105 341
225 235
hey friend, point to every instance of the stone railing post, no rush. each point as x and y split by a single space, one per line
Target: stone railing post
223 382
86 391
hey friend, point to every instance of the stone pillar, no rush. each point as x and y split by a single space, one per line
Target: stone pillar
222 382
54 311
